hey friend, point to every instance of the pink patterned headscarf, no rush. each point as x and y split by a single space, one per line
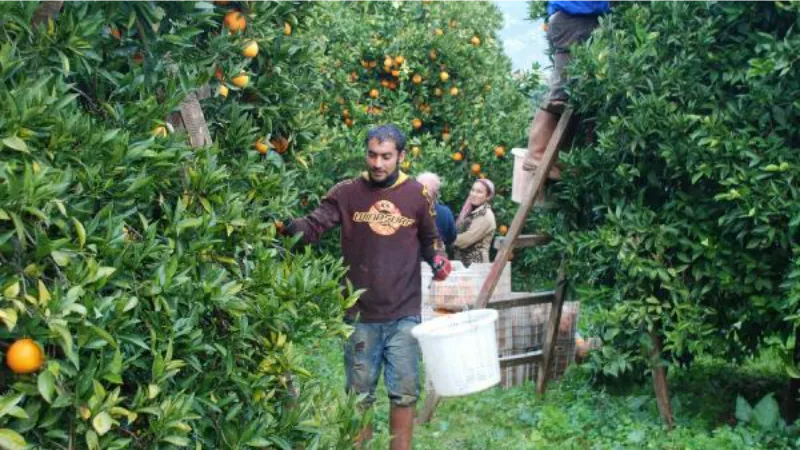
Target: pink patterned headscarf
469 207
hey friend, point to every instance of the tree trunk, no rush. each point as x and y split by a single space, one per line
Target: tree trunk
660 379
792 400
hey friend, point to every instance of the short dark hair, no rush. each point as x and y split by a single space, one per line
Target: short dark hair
388 132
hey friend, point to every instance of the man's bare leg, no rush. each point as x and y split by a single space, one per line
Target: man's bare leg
365 435
401 421
542 129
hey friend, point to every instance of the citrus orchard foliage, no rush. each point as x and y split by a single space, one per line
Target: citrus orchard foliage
686 204
437 70
147 270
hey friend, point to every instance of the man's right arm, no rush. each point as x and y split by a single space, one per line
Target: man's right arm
323 218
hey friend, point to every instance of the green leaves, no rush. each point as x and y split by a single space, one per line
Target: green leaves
11 440
15 143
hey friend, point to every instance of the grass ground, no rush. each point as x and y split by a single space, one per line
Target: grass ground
577 413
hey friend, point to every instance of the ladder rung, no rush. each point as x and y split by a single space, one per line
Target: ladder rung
514 299
524 241
522 358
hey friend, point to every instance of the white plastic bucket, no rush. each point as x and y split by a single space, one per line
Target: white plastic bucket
460 352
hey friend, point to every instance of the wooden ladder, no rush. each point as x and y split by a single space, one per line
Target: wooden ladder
512 240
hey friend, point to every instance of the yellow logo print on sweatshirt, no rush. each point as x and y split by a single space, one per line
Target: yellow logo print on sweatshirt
384 218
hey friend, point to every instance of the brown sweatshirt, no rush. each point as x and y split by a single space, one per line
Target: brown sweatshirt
385 234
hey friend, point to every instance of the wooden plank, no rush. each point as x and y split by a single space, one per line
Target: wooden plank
524 241
522 358
539 178
515 299
431 402
551 333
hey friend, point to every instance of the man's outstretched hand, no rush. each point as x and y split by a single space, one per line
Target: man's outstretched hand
441 268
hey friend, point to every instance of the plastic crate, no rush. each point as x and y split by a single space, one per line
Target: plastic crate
461 288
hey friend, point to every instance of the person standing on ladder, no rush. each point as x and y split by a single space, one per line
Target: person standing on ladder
388 225
568 23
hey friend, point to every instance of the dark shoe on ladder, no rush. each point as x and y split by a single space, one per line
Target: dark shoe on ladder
512 240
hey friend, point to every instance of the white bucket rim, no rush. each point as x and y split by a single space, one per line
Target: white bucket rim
452 324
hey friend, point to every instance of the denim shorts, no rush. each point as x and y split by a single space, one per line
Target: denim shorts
388 345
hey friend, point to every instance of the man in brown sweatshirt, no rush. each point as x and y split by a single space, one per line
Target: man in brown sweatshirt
388 226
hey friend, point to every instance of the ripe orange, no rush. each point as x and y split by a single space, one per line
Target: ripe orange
250 50
261 147
416 123
373 64
223 91
395 73
499 151
348 122
279 226
373 93
24 356
458 156
453 91
399 60
416 79
388 62
345 113
433 54
476 169
503 230
392 85
365 63
353 76
235 21
445 136
476 41
159 131
287 28
444 76
240 80
385 83
218 74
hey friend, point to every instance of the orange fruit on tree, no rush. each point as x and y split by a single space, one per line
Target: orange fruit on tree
373 93
476 169
415 150
445 136
287 28
240 80
503 230
353 76
235 21
261 147
392 85
433 54
438 32
385 83
348 122
416 79
476 41
405 165
279 226
395 73
499 151
437 92
250 50
416 123
218 74
373 64
223 91
159 131
458 156
365 63
388 61
399 60
345 113
24 356
444 76
453 91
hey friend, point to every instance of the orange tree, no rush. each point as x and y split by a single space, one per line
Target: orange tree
685 208
437 70
147 271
